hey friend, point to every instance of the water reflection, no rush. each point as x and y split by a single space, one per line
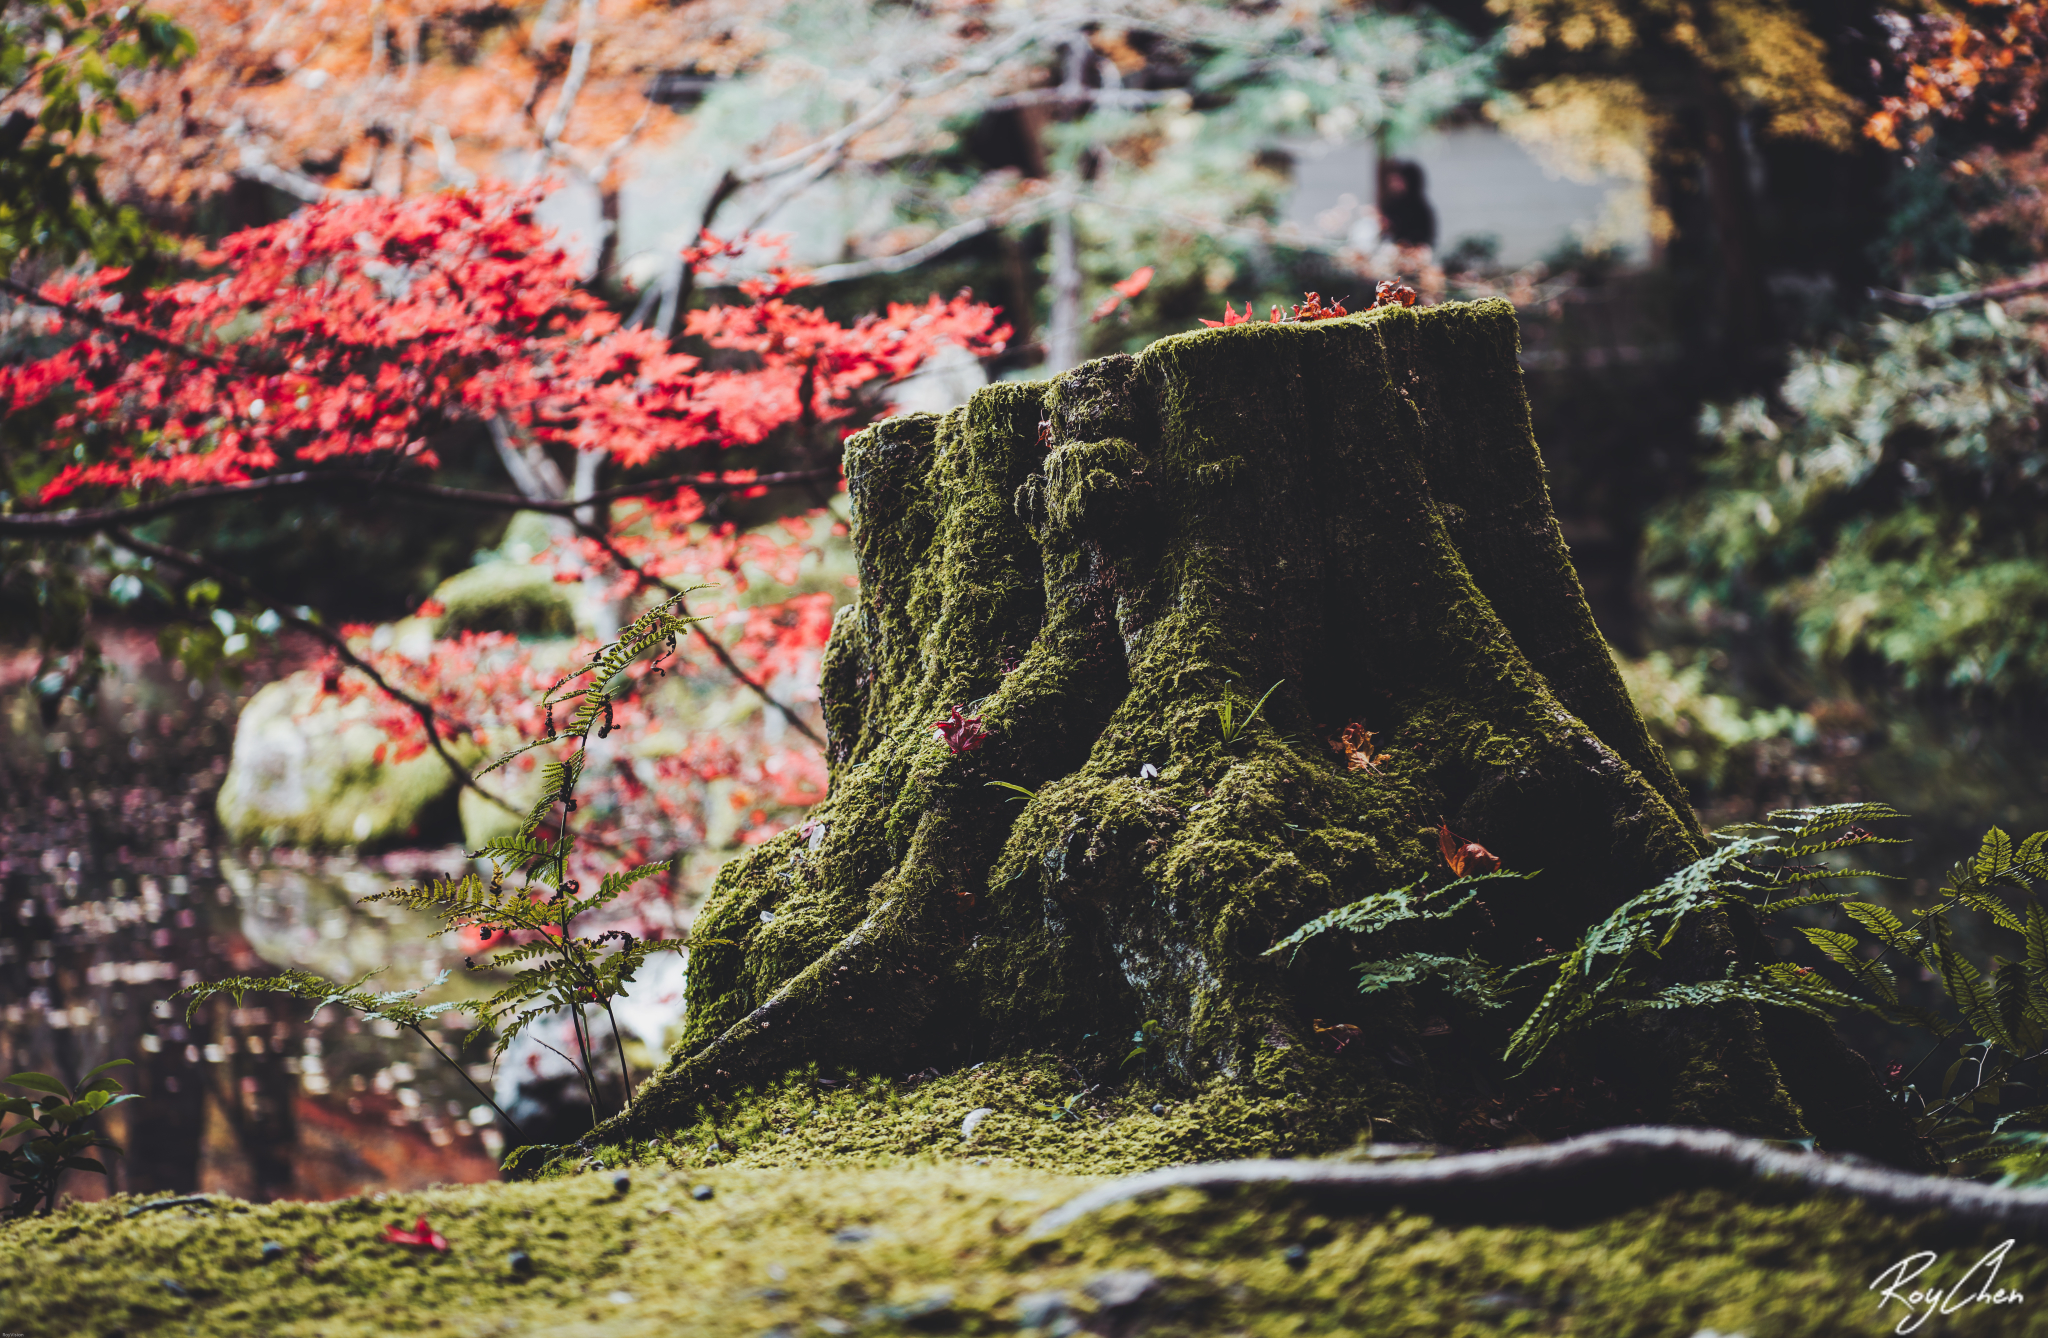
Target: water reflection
113 893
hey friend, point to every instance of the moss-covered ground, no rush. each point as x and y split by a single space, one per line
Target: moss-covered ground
935 1245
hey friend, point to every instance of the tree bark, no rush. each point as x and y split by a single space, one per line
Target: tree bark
1099 568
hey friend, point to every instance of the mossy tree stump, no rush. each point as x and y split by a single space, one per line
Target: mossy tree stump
1354 509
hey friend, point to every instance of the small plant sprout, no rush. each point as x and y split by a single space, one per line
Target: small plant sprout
1232 723
1028 794
1145 1045
53 1136
532 926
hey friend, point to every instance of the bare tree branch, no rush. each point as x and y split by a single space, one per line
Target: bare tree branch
254 167
572 85
1996 292
935 247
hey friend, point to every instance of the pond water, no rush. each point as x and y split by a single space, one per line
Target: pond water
114 891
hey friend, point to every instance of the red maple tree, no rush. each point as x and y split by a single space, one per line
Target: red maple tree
331 352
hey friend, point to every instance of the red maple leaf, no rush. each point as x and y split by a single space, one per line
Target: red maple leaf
1461 854
1390 294
963 733
421 1237
1312 309
1123 289
1231 317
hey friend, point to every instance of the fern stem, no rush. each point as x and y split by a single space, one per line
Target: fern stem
488 1098
625 1069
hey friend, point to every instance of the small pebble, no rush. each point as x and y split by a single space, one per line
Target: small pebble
702 1193
853 1235
520 1262
172 1287
621 1298
272 1251
621 1183
1123 1287
1159 1109
1039 1310
1296 1257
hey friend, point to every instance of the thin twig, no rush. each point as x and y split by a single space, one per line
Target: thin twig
712 643
90 520
945 241
1579 1179
1996 292
122 330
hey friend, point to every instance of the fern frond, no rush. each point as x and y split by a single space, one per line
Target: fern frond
1778 985
1468 978
616 883
2000 913
1371 914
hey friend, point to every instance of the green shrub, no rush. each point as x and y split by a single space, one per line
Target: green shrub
1885 507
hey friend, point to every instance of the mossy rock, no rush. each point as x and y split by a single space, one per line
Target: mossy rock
1107 571
312 771
946 1246
511 597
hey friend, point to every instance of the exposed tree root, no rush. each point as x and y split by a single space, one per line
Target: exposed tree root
1583 1179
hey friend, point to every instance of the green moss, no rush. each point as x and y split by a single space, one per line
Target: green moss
1351 512
917 1247
505 597
1045 1114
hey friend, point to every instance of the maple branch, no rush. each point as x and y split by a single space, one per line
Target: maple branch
428 718
92 520
1996 292
686 283
120 330
711 643
797 184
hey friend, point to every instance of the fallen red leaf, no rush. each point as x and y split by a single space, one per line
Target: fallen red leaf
1230 316
1390 294
962 732
1461 854
421 1237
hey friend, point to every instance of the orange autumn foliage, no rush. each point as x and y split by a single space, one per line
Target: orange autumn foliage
1987 54
405 96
